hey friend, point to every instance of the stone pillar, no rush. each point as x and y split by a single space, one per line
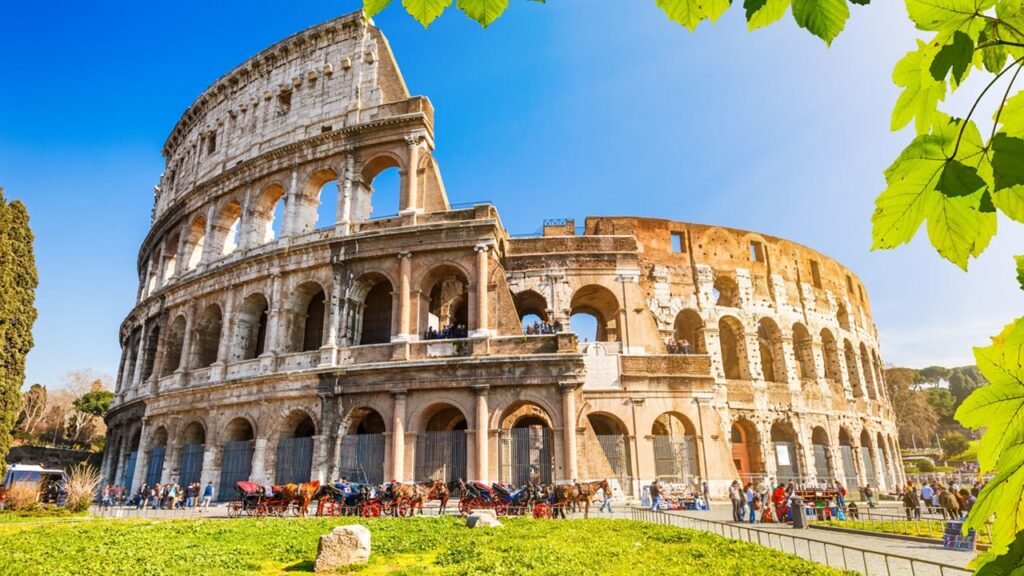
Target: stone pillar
482 434
140 460
121 372
140 357
224 344
412 176
274 318
209 473
186 343
329 351
319 467
207 240
292 208
258 471
404 297
345 196
481 324
398 435
569 430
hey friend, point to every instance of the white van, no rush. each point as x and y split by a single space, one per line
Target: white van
51 483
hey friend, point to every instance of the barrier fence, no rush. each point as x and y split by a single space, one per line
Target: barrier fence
842 556
925 526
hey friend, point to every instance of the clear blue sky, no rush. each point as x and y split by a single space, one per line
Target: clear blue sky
567 109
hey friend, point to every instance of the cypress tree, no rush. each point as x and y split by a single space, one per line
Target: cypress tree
18 281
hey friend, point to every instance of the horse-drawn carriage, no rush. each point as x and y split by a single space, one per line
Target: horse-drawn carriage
507 500
256 501
394 499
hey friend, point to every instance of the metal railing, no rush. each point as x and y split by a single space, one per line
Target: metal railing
868 520
861 560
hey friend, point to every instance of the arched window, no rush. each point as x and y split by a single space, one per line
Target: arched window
869 372
725 292
206 340
787 463
376 310
842 316
226 228
803 348
746 449
171 261
852 372
380 190
195 243
601 304
268 215
441 446
318 203
152 342
250 334
173 343
533 311
294 462
688 333
773 357
310 309
733 349
831 352
444 303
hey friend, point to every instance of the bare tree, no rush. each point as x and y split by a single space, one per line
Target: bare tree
33 409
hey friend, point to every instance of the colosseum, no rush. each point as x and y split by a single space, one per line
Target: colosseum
284 330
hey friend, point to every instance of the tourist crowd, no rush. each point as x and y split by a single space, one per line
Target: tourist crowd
540 328
953 501
674 346
453 331
159 496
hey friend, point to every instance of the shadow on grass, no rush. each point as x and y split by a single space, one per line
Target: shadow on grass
304 566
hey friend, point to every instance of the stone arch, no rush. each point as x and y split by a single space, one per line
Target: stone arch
173 344
441 443
309 312
239 429
265 217
725 292
195 242
869 372
317 205
843 316
371 315
773 355
156 449
149 355
527 436
867 449
803 348
613 443
676 457
852 372
293 463
846 453
171 260
600 303
885 461
746 449
194 432
688 328
830 350
531 303
506 415
251 323
158 439
367 199
206 337
824 468
193 446
445 301
363 446
735 363
226 229
238 444
786 448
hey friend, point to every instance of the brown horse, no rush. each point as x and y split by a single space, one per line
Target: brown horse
565 496
429 490
300 494
587 491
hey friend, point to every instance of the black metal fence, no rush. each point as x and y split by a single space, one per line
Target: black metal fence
861 560
294 463
236 467
441 455
191 464
362 458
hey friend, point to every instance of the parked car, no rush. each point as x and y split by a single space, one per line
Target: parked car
51 483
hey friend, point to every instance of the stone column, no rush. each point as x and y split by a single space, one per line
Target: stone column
140 460
329 351
404 297
186 343
345 195
412 176
319 467
482 283
482 434
209 473
224 344
258 471
398 435
569 430
140 357
207 240
292 208
274 318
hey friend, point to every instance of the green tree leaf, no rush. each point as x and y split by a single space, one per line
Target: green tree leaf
690 13
955 56
823 18
373 7
761 13
959 180
483 11
935 15
921 94
1012 116
1020 270
426 11
1007 564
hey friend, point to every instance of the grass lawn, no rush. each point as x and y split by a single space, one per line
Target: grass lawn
416 546
923 528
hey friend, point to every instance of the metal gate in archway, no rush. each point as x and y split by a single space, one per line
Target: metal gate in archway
191 464
675 458
527 455
294 463
869 465
821 462
155 465
235 467
849 468
129 472
616 451
441 455
787 468
362 458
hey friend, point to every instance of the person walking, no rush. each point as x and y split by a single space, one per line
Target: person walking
207 495
656 496
607 504
869 495
736 498
753 502
912 503
840 495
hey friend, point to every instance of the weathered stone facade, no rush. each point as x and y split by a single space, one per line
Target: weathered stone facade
268 345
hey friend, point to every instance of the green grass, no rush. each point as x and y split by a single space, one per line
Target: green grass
922 528
417 546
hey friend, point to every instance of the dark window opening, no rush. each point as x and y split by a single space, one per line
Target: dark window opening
678 242
815 274
756 251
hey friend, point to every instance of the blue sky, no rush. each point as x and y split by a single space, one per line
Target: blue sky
560 110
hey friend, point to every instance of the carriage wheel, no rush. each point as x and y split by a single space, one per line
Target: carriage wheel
500 509
465 506
542 510
234 509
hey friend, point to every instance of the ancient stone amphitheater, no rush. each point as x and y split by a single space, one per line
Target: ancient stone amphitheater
281 327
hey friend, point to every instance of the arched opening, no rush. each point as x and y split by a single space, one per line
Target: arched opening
226 229
379 193
445 304
318 203
236 457
613 438
885 462
174 343
831 352
803 348
251 328
195 243
268 215
601 304
867 456
308 310
171 261
849 462
527 445
155 456
193 445
688 334
149 355
132 357
675 449
869 372
773 356
206 339
746 450
127 479
842 316
733 348
362 448
376 313
725 292
115 461
852 371
441 446
823 467
294 462
787 461
533 313
879 379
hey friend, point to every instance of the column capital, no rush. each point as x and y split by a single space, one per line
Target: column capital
480 389
405 254
569 387
398 392
484 246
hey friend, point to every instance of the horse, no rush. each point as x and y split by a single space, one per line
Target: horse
587 491
301 494
438 490
565 496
